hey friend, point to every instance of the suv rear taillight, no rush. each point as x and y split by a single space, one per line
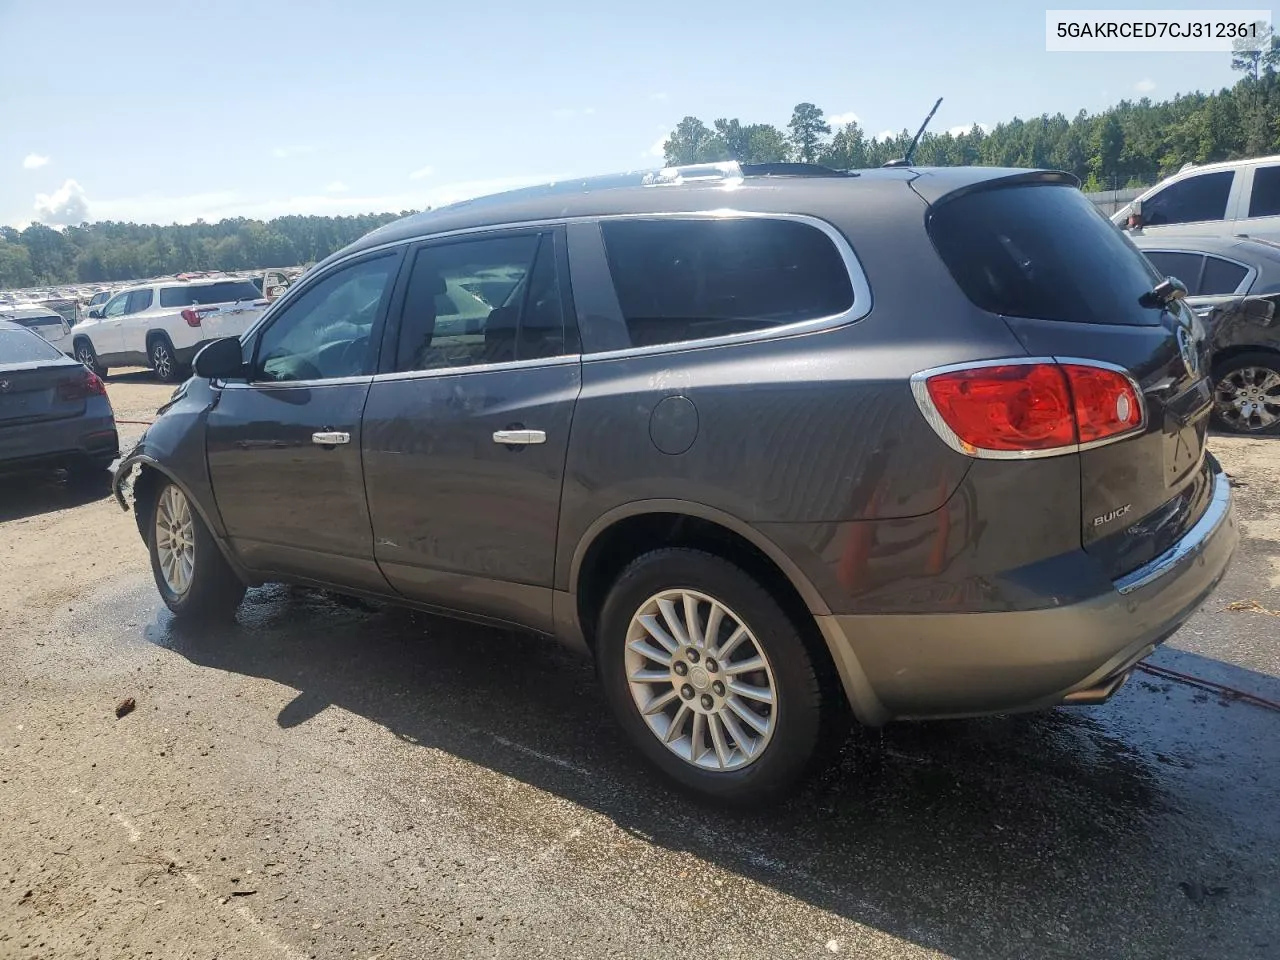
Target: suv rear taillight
77 389
1009 409
191 316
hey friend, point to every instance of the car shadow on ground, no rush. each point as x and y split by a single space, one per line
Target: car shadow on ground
1067 833
31 494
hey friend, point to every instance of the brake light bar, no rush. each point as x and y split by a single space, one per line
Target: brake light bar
1029 407
193 315
81 387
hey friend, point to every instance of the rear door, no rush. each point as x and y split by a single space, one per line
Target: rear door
465 433
1259 214
1069 285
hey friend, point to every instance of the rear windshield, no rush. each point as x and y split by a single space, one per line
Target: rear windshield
226 292
1042 251
20 346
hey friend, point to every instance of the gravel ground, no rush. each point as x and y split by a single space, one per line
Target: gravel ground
333 779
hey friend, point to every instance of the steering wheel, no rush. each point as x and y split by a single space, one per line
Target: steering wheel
352 359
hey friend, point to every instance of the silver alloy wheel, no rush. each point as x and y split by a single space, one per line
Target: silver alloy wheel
161 360
175 539
701 680
85 356
1248 399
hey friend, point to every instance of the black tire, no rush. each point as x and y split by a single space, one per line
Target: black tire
214 589
163 360
802 712
89 357
1229 379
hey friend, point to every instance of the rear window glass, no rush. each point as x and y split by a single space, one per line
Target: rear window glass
1264 201
683 280
1221 276
1042 251
49 320
22 346
1185 266
225 292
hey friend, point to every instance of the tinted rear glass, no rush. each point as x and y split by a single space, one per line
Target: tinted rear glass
1264 201
1042 251
683 280
1221 276
21 346
226 292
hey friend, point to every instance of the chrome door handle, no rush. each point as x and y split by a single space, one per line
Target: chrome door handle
519 437
330 438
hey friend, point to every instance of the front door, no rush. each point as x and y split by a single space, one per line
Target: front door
107 339
284 444
467 427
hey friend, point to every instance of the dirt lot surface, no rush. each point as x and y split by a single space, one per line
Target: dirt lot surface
331 779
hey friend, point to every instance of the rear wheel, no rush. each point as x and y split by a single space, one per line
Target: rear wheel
89 357
193 577
163 360
1246 393
709 677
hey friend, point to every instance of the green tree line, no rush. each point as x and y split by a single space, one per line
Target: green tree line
1133 143
91 252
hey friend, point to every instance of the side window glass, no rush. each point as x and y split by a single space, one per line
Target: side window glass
1221 277
1185 266
1193 200
326 331
680 280
138 300
489 300
116 307
1264 200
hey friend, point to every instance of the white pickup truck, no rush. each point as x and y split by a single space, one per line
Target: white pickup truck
163 323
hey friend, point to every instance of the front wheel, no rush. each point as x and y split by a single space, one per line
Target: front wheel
89 357
709 677
193 577
1246 393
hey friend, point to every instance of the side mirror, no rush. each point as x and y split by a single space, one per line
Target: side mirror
1135 216
220 360
95 313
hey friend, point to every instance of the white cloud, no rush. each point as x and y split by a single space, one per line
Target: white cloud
66 205
885 135
1145 85
843 119
422 173
33 161
219 205
337 186
956 131
294 150
658 149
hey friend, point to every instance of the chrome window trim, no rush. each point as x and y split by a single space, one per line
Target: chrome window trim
862 298
1215 514
1251 272
291 384
562 360
920 391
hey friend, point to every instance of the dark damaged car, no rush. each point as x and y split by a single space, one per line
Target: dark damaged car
773 444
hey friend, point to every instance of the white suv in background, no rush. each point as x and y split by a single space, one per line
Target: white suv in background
163 323
1237 198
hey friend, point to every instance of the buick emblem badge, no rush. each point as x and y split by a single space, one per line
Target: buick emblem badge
1187 347
4 386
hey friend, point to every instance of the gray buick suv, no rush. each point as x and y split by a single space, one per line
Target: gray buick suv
775 445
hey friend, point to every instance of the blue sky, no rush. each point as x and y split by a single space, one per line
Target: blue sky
169 111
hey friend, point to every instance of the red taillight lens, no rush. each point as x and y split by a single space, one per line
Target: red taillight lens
1013 407
1106 403
191 316
1041 406
86 385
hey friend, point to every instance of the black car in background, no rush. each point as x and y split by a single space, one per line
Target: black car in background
1233 285
771 444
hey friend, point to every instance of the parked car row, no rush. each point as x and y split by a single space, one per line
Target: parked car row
772 444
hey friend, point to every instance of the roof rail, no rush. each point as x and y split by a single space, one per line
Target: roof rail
784 169
693 172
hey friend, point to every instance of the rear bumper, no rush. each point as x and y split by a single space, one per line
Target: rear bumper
58 443
915 666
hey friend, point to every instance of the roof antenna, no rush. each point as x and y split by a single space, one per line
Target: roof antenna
905 161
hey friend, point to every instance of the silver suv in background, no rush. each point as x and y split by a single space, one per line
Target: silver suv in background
162 324
1239 198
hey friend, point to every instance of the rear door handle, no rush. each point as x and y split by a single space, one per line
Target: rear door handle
519 437
330 438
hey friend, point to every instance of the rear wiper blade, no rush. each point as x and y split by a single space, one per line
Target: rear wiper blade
1163 293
